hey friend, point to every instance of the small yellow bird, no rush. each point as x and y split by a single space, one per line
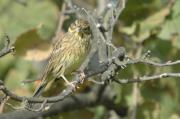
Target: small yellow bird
68 54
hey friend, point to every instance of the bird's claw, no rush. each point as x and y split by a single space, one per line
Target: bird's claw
72 85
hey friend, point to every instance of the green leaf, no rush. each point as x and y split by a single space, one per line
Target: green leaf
30 46
16 19
137 10
16 75
143 29
170 29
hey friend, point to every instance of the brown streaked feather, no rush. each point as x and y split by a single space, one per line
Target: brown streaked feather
68 53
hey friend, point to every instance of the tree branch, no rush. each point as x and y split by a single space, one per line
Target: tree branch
77 101
66 92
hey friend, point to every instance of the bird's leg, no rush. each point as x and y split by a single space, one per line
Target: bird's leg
67 82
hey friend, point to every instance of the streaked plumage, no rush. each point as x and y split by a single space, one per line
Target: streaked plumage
68 53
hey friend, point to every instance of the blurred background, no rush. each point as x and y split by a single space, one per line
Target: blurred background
143 25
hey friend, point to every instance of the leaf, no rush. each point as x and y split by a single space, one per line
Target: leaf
170 29
5 64
142 30
30 46
16 75
137 10
175 116
16 19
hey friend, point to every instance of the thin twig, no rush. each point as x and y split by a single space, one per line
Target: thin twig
13 107
7 49
146 78
42 107
61 19
150 62
2 103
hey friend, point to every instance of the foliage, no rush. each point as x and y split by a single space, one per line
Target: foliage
152 23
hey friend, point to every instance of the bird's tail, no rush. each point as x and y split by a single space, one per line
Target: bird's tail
43 83
37 93
40 88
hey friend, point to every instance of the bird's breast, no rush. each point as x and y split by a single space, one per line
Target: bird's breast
78 53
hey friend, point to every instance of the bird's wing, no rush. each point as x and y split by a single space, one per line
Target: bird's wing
56 61
49 68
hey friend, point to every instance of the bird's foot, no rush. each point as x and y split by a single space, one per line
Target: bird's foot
72 85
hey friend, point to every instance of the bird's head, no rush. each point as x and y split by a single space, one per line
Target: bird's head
80 26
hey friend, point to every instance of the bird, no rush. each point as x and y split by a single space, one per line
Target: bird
68 54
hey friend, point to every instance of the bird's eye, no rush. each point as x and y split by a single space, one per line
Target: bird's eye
87 29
